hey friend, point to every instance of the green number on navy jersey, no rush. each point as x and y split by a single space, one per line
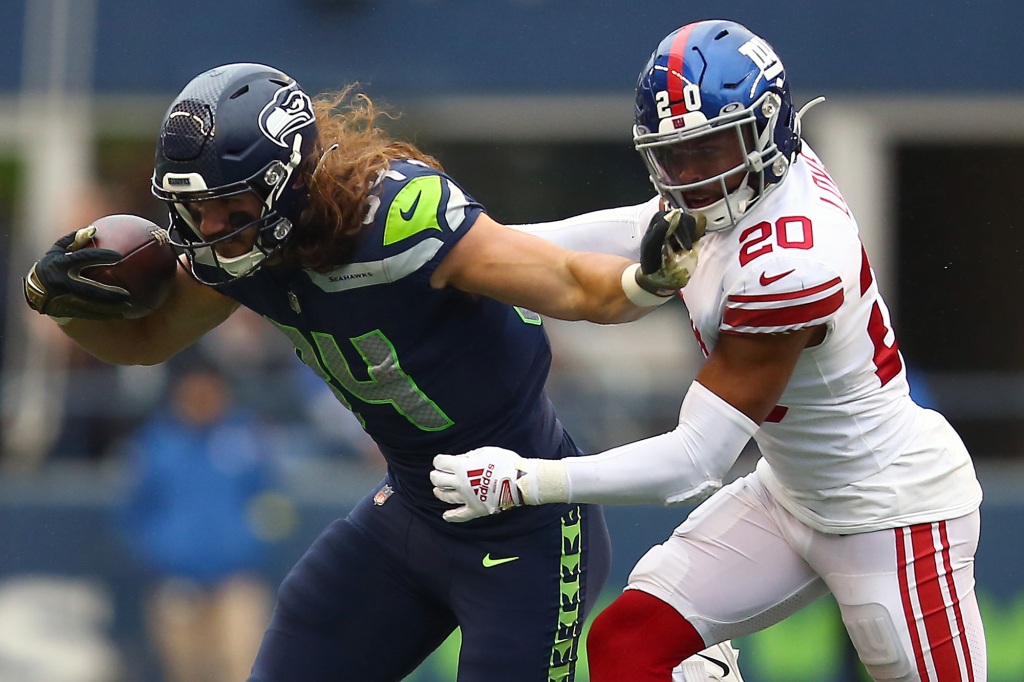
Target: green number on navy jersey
388 383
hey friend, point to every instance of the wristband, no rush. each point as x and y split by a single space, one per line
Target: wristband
545 481
638 295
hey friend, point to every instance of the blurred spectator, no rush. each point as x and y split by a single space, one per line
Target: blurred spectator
299 412
200 514
336 431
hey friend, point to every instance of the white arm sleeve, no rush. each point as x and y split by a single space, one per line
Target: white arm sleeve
673 468
616 231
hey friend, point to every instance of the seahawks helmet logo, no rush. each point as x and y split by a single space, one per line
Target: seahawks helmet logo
290 110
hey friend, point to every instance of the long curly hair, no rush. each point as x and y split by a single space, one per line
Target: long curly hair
352 151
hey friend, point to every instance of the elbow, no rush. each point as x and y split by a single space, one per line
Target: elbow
618 313
127 357
128 351
694 494
148 361
148 355
609 310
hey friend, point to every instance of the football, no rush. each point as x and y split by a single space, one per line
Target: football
148 261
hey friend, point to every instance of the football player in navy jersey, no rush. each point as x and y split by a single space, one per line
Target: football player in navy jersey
422 315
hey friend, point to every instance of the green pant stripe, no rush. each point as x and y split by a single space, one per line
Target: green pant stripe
565 649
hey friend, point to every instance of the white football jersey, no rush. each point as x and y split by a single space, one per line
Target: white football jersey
846 449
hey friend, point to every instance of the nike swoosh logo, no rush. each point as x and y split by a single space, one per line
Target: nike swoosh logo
720 664
766 280
488 562
408 214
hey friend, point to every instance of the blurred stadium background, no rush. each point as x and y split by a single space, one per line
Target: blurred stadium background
528 104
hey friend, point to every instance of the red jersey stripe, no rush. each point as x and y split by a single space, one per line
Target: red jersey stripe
786 295
782 317
865 271
674 77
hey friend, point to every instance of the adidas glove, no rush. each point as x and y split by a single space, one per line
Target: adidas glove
668 251
481 482
55 285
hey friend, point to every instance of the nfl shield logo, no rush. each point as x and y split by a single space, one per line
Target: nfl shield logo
383 494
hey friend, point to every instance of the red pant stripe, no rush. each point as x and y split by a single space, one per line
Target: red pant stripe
933 602
955 598
930 601
902 569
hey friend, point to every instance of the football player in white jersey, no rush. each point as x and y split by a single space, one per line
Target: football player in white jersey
859 491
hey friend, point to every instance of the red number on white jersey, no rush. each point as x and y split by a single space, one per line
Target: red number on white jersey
790 232
886 357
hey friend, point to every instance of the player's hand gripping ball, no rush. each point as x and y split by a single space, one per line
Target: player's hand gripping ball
119 267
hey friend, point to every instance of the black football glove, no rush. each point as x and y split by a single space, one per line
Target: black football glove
668 251
56 285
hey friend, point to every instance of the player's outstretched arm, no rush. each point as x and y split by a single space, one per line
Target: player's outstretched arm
616 231
520 269
736 389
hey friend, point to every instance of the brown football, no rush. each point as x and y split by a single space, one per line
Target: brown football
148 261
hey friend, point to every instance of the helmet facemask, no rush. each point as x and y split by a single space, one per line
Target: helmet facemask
270 227
755 152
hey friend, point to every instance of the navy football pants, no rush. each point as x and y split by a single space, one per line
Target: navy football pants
381 589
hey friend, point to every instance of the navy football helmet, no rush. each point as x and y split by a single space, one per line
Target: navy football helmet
706 84
235 129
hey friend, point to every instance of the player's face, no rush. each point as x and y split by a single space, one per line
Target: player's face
218 218
703 158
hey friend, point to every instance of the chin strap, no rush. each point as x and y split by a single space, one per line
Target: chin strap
727 211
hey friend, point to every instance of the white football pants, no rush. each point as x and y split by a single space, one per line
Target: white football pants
741 563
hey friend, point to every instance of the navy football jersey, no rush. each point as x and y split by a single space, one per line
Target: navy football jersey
427 371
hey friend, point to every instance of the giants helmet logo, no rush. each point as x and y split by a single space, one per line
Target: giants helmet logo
290 110
765 59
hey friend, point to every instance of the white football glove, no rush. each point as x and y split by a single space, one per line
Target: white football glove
482 481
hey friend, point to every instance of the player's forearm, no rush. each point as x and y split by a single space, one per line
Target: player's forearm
600 289
189 312
615 231
671 468
117 342
568 285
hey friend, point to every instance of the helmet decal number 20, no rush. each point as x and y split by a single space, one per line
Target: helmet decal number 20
691 100
388 383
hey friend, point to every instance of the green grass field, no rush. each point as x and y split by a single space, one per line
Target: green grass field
809 647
